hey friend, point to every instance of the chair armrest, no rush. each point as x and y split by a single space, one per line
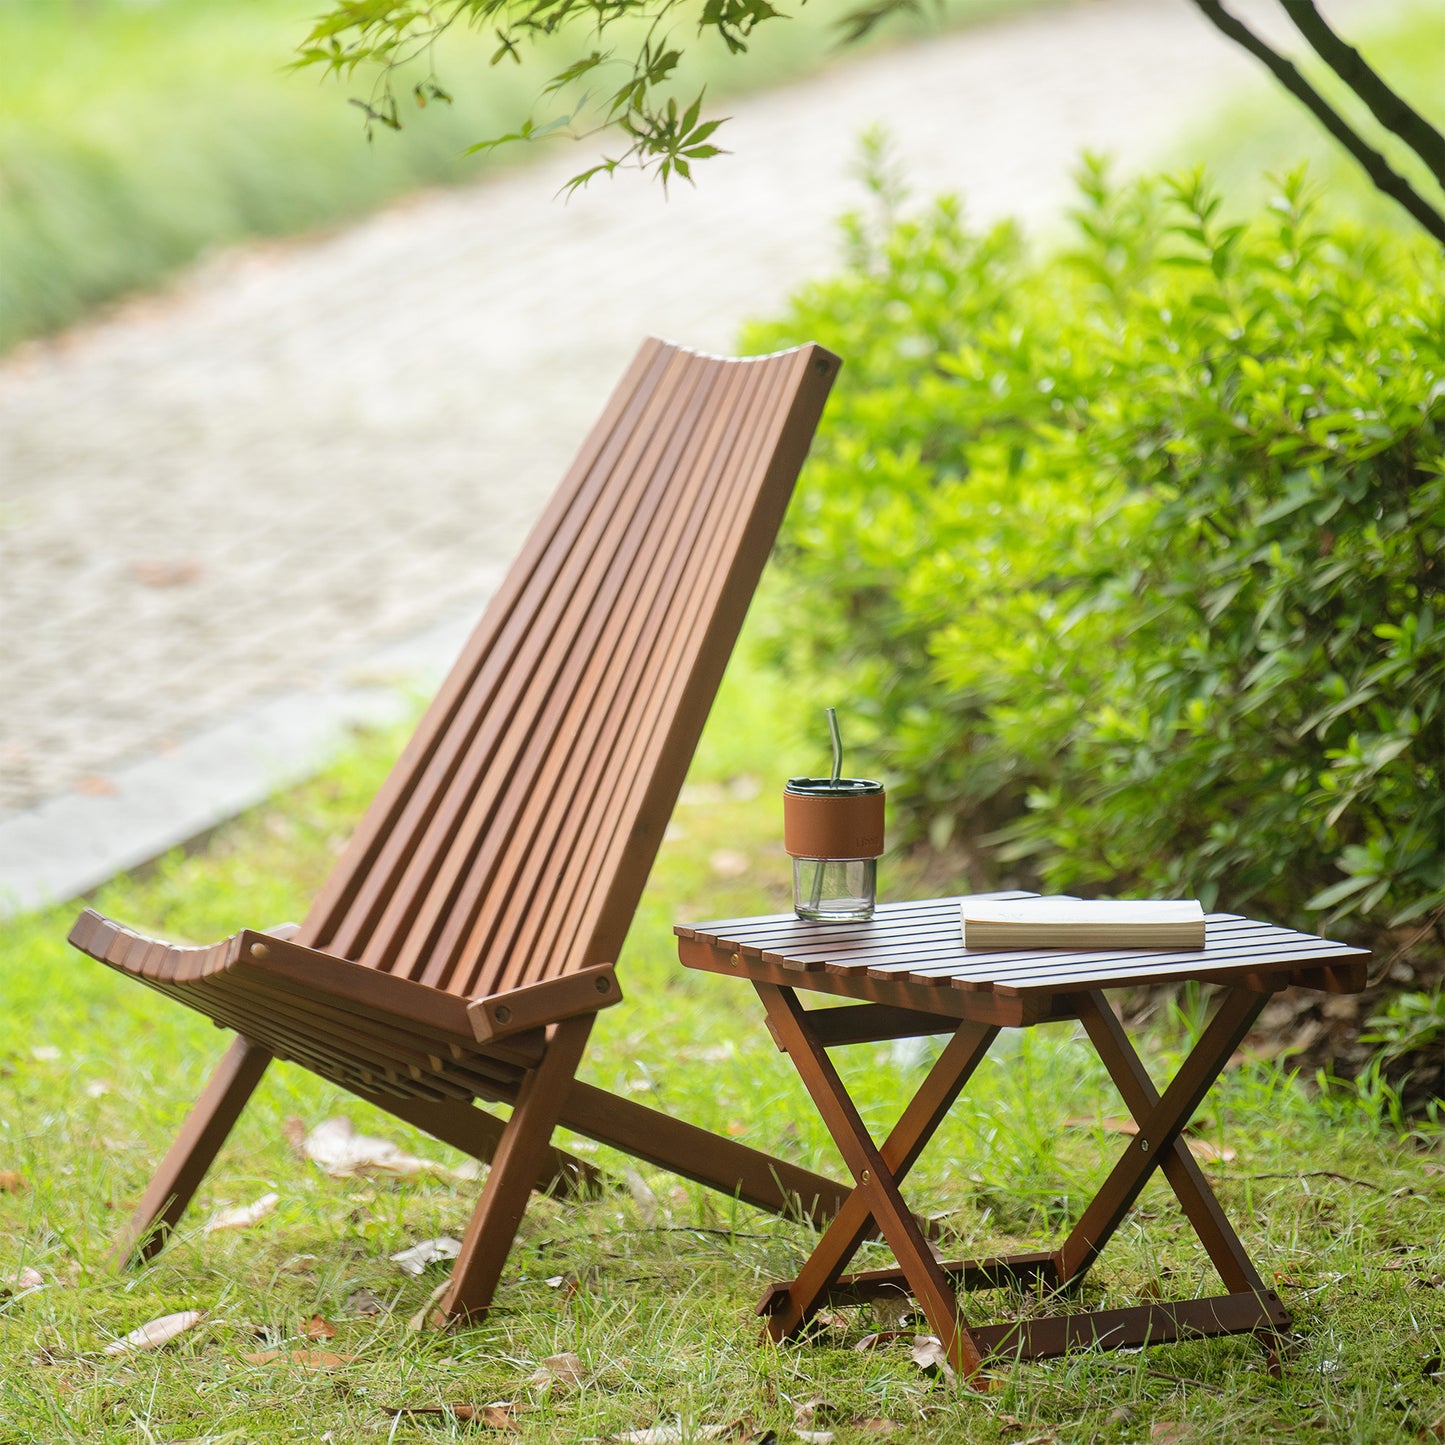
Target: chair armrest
354 986
500 1014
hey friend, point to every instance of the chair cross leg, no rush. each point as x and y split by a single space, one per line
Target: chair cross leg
1160 1125
207 1126
476 1132
515 1166
876 1197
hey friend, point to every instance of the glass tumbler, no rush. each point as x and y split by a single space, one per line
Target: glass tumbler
833 828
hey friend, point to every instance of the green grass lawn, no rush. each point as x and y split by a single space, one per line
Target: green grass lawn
652 1286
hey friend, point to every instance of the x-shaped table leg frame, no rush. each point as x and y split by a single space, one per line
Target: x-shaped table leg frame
876 1201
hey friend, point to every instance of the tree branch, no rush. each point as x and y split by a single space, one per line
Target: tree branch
1374 164
1388 107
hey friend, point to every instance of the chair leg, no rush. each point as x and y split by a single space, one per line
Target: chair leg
712 1160
515 1168
181 1171
474 1131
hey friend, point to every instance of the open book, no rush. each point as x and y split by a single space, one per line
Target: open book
1083 923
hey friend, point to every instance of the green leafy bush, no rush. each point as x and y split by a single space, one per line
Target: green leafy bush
1131 557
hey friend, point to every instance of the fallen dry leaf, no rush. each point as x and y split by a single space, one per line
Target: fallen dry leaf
642 1195
881 1337
318 1327
1199 1148
817 1411
157 573
157 1332
1110 1125
363 1302
428 1317
563 1369
341 1152
242 1217
426 1251
1168 1431
22 1282
307 1359
13 1182
928 1355
815 1437
1203 1149
496 1416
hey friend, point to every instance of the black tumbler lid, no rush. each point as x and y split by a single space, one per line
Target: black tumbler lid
826 787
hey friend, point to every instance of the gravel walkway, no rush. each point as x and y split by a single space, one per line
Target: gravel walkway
233 513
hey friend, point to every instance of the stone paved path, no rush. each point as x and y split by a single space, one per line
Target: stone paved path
229 500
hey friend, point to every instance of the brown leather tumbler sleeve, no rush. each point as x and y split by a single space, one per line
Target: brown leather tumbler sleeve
820 824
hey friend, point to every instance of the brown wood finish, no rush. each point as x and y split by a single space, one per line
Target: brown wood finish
468 934
184 1166
502 1015
910 969
917 1124
519 1158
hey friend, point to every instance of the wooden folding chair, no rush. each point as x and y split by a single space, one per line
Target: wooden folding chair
467 936
912 976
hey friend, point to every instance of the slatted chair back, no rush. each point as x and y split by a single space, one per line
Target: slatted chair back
515 834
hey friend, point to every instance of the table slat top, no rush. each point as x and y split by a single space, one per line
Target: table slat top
920 943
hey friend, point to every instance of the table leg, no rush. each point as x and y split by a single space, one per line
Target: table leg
1160 1125
1201 1208
877 1196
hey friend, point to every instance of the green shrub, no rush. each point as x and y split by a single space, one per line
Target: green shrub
1130 558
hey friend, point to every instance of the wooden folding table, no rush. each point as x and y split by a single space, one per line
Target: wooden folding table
908 974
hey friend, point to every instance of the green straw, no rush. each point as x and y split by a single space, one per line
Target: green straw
837 738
